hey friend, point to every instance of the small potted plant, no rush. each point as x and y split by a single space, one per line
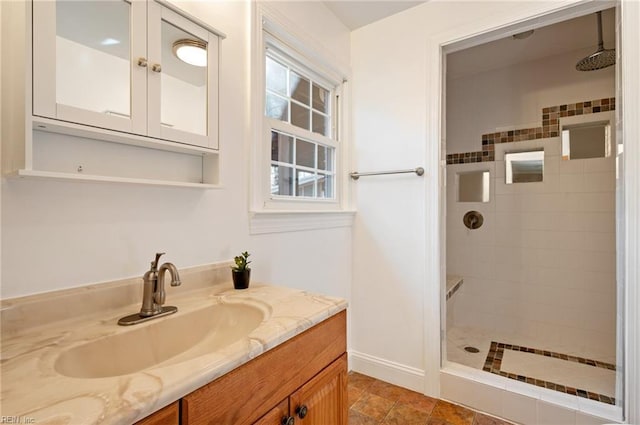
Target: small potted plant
241 272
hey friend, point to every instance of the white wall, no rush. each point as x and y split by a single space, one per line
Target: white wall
57 234
389 133
542 266
513 97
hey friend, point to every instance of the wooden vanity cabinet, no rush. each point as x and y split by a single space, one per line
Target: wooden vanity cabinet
318 402
169 415
323 398
276 416
309 371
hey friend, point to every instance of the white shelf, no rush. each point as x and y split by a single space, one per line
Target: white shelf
78 130
35 174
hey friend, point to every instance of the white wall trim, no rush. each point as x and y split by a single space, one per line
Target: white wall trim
435 247
262 222
388 371
630 115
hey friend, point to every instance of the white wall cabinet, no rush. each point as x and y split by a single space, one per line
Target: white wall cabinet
98 93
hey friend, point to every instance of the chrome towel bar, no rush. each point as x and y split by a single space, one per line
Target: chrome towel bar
356 175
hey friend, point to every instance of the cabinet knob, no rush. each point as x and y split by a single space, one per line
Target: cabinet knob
301 411
288 420
142 62
156 67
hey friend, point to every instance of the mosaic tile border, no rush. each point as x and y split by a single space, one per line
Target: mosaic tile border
550 128
493 363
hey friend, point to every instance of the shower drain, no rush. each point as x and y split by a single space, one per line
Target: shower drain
470 349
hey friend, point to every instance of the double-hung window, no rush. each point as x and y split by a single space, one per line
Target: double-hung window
299 156
301 126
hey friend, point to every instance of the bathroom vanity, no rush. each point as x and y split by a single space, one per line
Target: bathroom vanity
265 355
304 379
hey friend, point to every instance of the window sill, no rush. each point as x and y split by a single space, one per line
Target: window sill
263 222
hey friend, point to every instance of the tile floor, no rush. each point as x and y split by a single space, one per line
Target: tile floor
374 402
596 380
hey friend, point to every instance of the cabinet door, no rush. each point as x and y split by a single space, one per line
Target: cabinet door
182 93
276 416
166 416
83 63
323 400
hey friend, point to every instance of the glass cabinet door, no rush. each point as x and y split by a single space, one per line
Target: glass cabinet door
183 76
83 62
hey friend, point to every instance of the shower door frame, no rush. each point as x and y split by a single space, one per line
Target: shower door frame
628 94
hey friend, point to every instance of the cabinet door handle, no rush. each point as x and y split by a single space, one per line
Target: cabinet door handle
288 420
301 411
142 62
156 67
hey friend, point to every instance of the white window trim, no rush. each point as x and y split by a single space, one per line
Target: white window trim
271 214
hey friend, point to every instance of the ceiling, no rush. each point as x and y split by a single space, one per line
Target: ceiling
356 13
561 38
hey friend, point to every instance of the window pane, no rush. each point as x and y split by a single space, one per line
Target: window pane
281 147
281 180
277 107
305 183
325 158
325 186
320 99
276 77
299 116
305 154
301 165
300 88
320 124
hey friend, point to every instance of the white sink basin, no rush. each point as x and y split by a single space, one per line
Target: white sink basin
170 340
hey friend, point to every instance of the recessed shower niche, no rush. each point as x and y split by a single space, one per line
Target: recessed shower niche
587 138
474 186
524 167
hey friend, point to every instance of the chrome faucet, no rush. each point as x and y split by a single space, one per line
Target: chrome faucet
153 294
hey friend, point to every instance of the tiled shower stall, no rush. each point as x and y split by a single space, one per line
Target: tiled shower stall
540 272
533 294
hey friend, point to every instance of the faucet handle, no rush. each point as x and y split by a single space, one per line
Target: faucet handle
154 263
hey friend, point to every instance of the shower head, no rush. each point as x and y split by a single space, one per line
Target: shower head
602 58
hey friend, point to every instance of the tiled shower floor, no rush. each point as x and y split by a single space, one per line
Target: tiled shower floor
534 362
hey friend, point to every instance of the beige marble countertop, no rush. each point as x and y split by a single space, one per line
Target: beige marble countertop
35 392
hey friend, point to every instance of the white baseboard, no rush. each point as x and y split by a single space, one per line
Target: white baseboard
388 371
